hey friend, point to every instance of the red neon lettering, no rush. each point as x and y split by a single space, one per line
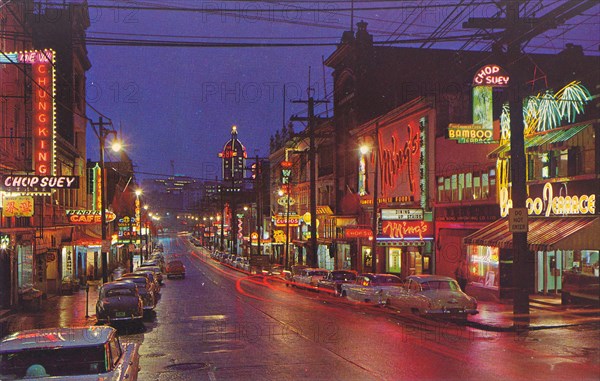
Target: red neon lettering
394 160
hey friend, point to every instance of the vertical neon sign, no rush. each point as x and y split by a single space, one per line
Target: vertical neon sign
44 108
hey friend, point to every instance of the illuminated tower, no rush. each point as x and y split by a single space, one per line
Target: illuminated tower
234 159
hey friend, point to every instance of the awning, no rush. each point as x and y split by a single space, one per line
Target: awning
545 234
86 238
324 210
555 136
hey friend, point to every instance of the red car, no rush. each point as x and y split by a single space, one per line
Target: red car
175 269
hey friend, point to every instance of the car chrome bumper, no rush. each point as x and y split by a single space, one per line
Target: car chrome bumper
451 311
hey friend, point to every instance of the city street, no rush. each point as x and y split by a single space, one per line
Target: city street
218 323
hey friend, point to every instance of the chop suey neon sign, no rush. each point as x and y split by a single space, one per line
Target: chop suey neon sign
549 204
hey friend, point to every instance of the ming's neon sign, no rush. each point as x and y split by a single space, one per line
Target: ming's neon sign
400 157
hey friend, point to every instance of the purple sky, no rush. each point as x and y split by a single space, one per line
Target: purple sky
179 104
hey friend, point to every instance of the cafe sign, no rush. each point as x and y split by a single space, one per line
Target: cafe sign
549 204
89 217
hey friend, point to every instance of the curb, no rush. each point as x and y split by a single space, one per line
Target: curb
513 328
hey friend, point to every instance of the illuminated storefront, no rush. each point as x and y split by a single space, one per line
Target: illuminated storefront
398 159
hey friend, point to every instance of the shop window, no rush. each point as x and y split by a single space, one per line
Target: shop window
394 260
447 190
476 187
574 162
545 158
485 186
440 182
461 186
483 265
454 182
492 193
562 162
468 186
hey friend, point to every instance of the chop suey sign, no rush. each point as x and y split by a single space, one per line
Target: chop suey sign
18 182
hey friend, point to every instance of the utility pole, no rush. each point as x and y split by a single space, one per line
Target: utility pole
102 133
312 154
518 30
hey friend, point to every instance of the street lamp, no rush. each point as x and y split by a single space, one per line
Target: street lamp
102 133
364 149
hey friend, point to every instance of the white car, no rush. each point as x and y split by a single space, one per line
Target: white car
73 353
369 287
431 295
309 277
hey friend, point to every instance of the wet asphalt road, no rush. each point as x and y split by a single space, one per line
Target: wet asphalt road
220 324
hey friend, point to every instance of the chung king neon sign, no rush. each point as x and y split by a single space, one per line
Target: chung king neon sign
44 106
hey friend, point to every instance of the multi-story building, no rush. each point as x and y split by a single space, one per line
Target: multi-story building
43 120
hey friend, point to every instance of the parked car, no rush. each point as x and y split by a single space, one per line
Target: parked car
237 262
432 295
289 274
120 302
144 289
334 280
70 353
156 269
175 268
275 270
309 277
368 287
245 265
151 275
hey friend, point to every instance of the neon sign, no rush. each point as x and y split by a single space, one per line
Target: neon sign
44 106
491 75
398 158
406 229
19 206
549 204
43 111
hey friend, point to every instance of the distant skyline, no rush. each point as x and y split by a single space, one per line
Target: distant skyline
178 103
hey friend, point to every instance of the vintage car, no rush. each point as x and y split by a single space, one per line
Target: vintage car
432 295
156 269
288 275
151 275
120 302
368 287
75 353
175 268
145 289
309 277
334 280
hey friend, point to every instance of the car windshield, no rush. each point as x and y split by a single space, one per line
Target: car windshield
318 273
440 285
387 280
119 292
56 361
344 276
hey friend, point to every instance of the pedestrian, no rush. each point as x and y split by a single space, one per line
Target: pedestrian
461 274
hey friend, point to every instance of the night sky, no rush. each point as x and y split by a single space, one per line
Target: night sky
179 103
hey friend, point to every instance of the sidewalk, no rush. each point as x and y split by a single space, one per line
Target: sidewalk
544 312
56 311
